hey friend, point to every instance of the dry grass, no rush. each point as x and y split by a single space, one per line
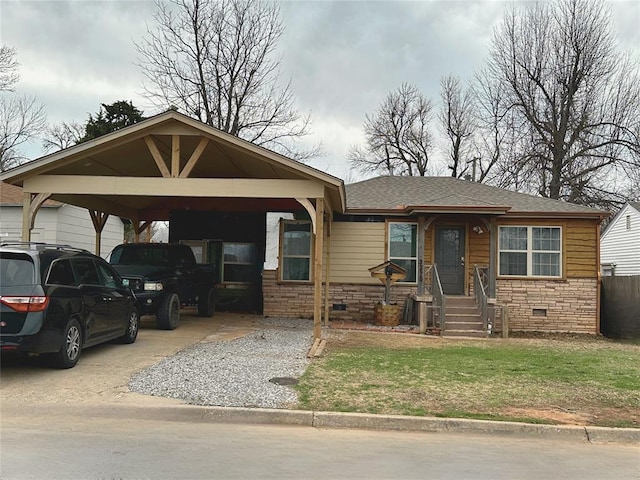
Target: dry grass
555 379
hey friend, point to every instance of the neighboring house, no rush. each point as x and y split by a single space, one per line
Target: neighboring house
620 242
545 251
535 256
56 223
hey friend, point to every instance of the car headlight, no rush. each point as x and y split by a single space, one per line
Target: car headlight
153 286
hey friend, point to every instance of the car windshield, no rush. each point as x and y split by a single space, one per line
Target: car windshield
16 269
139 255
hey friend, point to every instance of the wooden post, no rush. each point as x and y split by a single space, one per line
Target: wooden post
317 269
493 247
26 214
175 156
99 220
505 321
327 270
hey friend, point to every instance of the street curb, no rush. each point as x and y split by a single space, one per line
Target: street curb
340 420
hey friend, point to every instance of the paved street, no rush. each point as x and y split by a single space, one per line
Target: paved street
83 423
65 446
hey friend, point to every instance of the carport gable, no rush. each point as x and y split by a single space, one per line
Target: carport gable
171 161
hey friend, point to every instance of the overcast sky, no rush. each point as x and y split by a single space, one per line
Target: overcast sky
342 57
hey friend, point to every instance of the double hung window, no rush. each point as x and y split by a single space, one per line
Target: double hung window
403 248
295 258
530 251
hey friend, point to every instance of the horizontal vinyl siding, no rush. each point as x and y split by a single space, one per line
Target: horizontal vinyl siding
68 225
356 247
75 228
622 246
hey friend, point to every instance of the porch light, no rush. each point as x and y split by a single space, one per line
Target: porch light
478 230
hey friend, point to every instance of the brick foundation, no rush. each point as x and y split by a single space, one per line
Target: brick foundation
296 300
571 305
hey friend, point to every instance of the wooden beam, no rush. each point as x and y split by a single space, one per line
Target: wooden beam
175 155
327 268
157 156
308 206
317 269
31 203
420 272
195 156
99 220
174 187
26 220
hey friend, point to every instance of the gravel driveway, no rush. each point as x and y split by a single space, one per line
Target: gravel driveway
234 373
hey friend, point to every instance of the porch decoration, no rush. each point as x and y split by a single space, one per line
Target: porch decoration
386 313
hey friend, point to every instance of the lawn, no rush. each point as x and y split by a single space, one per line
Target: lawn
558 379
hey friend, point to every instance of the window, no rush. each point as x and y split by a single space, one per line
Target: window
61 273
239 263
296 251
86 271
530 251
403 248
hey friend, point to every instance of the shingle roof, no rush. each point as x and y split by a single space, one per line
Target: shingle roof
396 193
12 195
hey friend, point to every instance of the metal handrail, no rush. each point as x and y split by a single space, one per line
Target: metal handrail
439 298
480 292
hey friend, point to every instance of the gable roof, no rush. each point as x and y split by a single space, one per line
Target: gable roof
607 228
407 195
177 139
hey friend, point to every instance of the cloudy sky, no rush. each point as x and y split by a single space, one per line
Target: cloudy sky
343 57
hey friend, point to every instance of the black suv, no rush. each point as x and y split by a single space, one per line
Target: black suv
56 300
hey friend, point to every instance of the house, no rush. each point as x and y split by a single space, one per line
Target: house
535 258
620 242
56 223
539 256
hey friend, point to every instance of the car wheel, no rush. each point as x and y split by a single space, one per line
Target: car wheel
207 303
133 324
69 352
168 314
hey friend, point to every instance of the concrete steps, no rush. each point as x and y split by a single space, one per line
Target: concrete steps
463 318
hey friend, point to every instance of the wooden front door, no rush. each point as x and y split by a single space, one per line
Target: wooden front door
449 258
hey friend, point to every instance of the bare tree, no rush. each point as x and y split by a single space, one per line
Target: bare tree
62 135
573 97
8 68
22 119
215 60
458 122
398 139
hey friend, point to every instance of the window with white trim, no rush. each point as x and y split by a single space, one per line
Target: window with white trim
530 251
295 248
403 248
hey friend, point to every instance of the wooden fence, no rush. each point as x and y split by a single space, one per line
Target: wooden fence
620 307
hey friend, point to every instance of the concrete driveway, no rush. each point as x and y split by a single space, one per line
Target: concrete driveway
103 372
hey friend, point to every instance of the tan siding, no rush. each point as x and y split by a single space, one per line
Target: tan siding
355 247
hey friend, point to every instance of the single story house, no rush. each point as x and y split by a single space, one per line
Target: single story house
620 242
455 239
56 222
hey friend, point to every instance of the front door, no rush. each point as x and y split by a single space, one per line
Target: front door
449 258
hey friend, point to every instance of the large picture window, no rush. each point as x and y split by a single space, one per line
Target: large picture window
530 251
296 251
403 248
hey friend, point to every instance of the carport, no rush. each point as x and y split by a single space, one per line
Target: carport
171 162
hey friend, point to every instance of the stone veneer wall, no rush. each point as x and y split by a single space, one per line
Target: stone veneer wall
290 300
571 305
